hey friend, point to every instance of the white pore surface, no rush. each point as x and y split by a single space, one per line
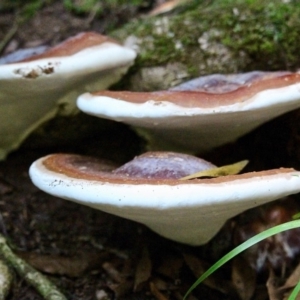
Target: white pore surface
170 126
32 92
188 213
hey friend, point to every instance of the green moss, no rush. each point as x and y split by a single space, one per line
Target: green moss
114 13
25 9
100 6
267 34
224 36
86 5
83 6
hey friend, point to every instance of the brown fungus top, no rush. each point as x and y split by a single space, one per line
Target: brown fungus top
72 45
212 91
149 168
163 165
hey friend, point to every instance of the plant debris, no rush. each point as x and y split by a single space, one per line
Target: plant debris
221 171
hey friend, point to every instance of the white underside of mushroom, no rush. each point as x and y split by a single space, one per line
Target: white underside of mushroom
169 126
189 212
35 91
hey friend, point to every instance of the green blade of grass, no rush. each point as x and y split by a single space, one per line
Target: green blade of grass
296 216
295 292
247 244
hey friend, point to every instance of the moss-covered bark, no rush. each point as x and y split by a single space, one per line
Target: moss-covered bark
117 12
220 37
45 287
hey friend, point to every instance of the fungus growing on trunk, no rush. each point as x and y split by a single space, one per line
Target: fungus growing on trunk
203 113
35 89
148 190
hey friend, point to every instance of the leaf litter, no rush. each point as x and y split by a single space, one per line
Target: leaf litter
47 233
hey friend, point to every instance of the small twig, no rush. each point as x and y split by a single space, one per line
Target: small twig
9 35
46 288
92 14
2 225
19 19
5 280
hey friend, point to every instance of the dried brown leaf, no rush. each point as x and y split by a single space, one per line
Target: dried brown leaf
167 7
143 269
293 279
288 293
160 284
243 278
198 267
113 273
290 283
178 296
61 265
119 272
5 188
220 171
261 293
122 288
272 287
156 293
171 266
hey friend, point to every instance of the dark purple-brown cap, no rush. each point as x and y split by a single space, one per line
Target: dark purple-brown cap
149 190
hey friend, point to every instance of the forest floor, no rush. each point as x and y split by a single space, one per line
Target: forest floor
87 253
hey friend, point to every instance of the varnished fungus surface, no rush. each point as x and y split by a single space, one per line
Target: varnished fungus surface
212 91
87 168
72 45
163 165
222 83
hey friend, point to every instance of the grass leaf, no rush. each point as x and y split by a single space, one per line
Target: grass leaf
295 292
247 244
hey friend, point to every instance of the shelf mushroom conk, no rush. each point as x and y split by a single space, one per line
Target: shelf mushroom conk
203 113
148 190
34 89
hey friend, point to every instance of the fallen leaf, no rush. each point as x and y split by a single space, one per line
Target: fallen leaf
261 292
290 283
171 267
156 293
272 286
122 288
243 278
287 294
292 279
221 171
5 188
198 267
143 270
113 273
161 284
167 7
73 266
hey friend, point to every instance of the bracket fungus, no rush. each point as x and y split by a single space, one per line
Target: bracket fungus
148 190
34 89
203 113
